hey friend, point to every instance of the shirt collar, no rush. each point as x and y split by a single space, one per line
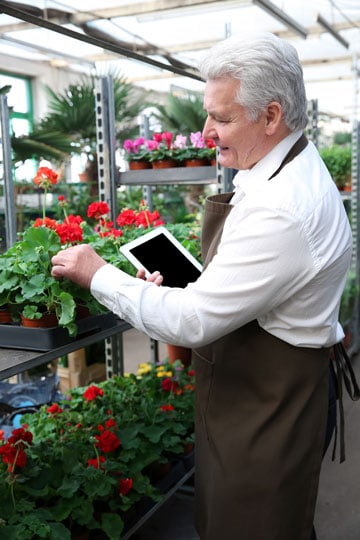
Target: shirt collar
261 172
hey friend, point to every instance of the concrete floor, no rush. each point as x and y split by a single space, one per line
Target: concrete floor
338 508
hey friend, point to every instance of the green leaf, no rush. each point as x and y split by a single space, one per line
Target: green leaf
112 525
58 531
67 308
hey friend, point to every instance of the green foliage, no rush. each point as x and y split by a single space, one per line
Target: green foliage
86 448
349 299
342 137
42 143
73 110
182 115
71 122
27 286
338 161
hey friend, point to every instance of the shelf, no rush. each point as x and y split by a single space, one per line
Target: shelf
14 361
175 175
183 477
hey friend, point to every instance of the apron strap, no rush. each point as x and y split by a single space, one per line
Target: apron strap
294 151
343 373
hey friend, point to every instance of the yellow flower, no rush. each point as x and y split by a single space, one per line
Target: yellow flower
162 373
144 368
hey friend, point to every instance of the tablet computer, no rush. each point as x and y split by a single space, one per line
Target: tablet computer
160 250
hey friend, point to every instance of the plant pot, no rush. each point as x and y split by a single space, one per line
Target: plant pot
164 164
175 352
48 320
196 162
5 316
139 165
83 177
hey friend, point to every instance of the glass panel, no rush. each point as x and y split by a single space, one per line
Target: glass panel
20 126
18 95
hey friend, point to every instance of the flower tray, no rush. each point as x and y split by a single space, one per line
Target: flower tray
15 336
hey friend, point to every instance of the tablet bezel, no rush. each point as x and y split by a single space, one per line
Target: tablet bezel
126 249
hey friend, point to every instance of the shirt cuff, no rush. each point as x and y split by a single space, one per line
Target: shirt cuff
104 283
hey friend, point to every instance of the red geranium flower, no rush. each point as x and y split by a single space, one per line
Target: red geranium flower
98 209
47 222
92 392
168 385
107 441
125 485
96 462
19 435
13 456
126 217
167 408
69 232
110 423
54 409
45 177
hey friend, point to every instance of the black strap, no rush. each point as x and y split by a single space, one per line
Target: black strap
343 373
294 151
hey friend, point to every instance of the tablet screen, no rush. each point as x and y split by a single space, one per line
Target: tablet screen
159 253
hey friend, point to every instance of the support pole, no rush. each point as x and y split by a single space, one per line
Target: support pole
10 221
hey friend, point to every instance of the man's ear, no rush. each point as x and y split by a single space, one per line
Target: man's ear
273 117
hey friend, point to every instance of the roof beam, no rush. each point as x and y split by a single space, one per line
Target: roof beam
145 8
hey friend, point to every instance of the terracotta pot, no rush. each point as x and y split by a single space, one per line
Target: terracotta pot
48 320
164 164
175 352
83 177
213 162
198 162
139 165
5 316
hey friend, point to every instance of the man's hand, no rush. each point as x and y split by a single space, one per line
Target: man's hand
77 263
155 277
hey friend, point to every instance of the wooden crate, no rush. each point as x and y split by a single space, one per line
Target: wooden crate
78 373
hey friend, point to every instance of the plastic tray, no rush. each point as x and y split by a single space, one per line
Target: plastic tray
14 336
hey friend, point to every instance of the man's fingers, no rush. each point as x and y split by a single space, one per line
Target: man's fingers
155 277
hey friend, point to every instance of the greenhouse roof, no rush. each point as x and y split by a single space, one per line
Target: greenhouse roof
157 44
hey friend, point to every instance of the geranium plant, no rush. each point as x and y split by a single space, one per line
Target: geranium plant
26 284
84 462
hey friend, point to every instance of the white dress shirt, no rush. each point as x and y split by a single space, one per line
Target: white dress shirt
283 260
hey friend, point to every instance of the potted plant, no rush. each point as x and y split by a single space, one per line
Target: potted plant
26 283
194 150
86 463
338 160
137 153
162 150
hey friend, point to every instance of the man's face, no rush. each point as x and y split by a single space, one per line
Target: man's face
241 143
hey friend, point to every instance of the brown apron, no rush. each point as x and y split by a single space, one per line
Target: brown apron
260 425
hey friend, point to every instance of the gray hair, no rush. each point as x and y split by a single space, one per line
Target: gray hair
268 69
